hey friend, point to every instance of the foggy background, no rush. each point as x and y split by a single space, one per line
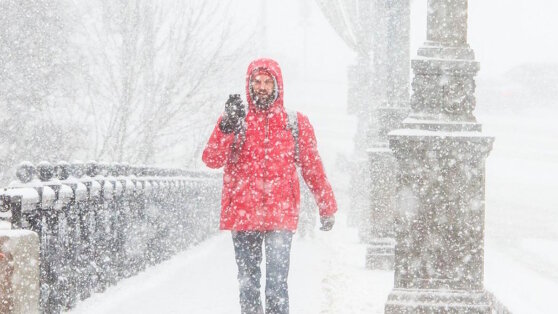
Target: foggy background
83 80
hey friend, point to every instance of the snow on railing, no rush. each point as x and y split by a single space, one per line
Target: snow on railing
98 223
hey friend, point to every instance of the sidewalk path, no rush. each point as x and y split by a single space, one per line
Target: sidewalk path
327 276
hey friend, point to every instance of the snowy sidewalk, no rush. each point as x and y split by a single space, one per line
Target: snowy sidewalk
522 282
327 275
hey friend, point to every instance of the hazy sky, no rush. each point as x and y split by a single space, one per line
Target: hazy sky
503 33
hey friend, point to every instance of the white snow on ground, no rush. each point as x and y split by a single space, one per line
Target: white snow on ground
191 282
521 289
327 276
521 265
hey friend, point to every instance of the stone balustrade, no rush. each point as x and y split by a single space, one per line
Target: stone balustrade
98 223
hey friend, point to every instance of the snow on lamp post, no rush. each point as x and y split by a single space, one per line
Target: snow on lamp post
391 92
441 153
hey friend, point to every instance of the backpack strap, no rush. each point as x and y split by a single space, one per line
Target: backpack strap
292 125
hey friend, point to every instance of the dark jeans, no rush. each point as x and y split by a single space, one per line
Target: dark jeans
248 253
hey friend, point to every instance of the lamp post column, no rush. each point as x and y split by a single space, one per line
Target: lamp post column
391 56
441 153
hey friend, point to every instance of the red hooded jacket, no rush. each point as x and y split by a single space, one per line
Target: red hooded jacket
260 185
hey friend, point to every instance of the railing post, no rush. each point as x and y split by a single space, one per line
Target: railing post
152 215
129 229
139 210
168 215
116 221
112 216
160 245
182 204
57 226
72 243
215 196
69 175
121 217
100 215
202 209
42 220
87 228
173 198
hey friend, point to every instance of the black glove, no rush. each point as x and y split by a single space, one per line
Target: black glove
327 222
234 114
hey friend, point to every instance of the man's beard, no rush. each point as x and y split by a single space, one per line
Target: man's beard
263 101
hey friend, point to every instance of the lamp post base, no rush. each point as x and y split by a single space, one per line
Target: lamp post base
380 254
406 301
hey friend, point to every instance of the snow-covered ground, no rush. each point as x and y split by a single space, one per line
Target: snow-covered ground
521 210
327 275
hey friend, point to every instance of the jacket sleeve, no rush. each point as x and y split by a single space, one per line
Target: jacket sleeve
313 169
218 148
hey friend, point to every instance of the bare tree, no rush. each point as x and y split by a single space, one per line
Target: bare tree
149 69
33 70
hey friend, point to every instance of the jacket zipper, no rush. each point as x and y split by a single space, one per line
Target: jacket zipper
266 141
293 189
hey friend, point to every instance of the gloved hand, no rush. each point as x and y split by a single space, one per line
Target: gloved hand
234 113
327 222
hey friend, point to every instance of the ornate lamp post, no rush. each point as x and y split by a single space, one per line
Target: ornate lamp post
353 20
378 31
441 155
391 93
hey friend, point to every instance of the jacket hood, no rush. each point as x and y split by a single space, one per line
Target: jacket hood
272 67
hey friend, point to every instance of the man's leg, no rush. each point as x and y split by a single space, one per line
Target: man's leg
277 261
248 255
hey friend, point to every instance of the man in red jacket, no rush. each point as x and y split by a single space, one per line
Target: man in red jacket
261 192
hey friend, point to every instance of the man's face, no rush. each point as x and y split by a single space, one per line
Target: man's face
263 88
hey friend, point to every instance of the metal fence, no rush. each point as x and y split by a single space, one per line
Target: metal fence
99 223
